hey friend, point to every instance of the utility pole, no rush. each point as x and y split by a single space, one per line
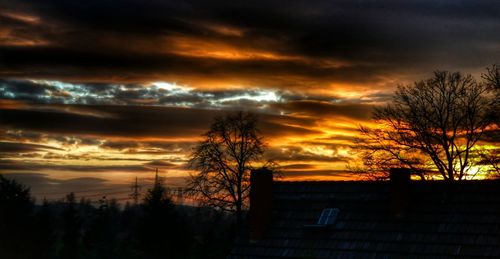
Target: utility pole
135 192
158 180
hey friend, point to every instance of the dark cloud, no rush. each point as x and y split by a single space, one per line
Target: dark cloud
298 154
297 167
137 121
16 147
170 145
271 129
321 109
80 73
18 140
33 166
21 89
339 41
120 145
159 93
20 136
339 174
131 121
331 138
164 164
55 63
492 136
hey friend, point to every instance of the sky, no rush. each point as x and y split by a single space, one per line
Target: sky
95 93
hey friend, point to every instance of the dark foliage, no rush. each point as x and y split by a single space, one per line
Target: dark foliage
71 237
162 232
16 220
156 228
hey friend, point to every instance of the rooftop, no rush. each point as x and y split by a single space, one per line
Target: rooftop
438 221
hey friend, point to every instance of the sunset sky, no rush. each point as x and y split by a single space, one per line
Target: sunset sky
94 93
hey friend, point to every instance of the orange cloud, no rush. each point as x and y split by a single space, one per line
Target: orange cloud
209 48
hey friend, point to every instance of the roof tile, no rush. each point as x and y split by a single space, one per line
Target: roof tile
442 221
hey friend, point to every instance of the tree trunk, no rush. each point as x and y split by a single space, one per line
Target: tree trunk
239 204
238 214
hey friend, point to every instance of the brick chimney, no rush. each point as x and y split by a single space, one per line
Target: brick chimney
400 179
261 189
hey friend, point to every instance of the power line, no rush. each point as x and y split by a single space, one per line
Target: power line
104 194
85 191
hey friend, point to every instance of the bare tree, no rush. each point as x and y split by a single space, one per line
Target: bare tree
491 156
379 154
492 80
492 77
432 125
224 160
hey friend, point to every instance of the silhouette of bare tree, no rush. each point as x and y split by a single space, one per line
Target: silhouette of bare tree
432 125
224 160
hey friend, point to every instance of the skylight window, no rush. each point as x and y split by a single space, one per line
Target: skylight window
328 216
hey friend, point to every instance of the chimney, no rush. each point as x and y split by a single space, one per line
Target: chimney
400 179
261 181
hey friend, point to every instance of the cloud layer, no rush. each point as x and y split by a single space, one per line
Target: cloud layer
112 89
263 43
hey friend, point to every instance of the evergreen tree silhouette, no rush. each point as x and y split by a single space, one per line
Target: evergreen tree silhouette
100 239
16 220
71 237
162 233
44 231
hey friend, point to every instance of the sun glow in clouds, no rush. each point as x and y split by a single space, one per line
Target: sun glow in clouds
171 87
258 95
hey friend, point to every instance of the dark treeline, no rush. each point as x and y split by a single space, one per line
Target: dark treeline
71 228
